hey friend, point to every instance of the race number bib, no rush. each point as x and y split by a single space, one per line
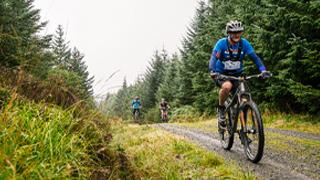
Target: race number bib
231 65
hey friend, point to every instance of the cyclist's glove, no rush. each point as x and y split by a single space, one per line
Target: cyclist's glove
265 74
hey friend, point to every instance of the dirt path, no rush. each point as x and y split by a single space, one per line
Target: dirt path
274 165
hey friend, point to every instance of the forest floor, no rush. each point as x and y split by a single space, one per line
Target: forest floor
193 150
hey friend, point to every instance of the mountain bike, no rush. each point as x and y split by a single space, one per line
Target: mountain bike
164 115
240 107
136 116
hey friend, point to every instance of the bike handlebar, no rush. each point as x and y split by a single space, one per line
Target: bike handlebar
241 78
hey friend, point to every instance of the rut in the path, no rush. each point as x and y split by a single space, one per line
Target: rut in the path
274 165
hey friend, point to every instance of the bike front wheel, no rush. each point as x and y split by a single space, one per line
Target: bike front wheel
252 132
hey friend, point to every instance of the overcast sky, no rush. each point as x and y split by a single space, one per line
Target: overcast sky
119 34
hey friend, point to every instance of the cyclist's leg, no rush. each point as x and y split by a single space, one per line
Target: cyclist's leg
225 88
224 92
161 114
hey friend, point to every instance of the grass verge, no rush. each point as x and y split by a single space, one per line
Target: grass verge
294 122
154 153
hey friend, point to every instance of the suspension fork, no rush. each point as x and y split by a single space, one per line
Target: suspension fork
243 122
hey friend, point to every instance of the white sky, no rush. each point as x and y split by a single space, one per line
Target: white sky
119 34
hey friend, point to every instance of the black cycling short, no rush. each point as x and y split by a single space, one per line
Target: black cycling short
234 83
134 111
219 83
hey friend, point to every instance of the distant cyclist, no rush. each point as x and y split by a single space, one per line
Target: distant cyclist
227 58
136 105
164 106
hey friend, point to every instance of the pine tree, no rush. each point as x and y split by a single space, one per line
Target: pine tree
153 78
61 49
196 86
170 85
121 104
77 65
186 94
19 24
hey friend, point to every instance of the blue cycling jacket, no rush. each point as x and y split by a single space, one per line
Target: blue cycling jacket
136 104
225 60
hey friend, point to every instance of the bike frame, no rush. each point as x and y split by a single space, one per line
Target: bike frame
240 96
137 114
164 114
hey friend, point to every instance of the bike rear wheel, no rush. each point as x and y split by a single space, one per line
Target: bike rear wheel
227 136
253 132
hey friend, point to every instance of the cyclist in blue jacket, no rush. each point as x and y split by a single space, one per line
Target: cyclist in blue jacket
227 58
136 105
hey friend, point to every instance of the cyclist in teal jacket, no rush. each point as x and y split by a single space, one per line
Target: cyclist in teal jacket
136 105
227 58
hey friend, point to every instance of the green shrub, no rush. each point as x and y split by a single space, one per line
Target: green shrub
185 113
153 115
61 87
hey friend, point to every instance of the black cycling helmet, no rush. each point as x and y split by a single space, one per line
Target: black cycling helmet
234 27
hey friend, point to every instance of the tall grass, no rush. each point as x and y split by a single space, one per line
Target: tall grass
39 141
47 133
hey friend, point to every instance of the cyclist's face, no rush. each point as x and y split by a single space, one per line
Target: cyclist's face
235 36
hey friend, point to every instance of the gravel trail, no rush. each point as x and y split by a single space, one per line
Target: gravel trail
274 165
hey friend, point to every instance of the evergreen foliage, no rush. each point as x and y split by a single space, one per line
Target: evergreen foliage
61 49
78 66
153 77
19 42
169 86
21 47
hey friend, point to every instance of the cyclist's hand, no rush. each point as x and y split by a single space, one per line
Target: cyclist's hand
265 74
214 75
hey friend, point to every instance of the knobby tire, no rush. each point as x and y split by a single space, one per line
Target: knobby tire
257 122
